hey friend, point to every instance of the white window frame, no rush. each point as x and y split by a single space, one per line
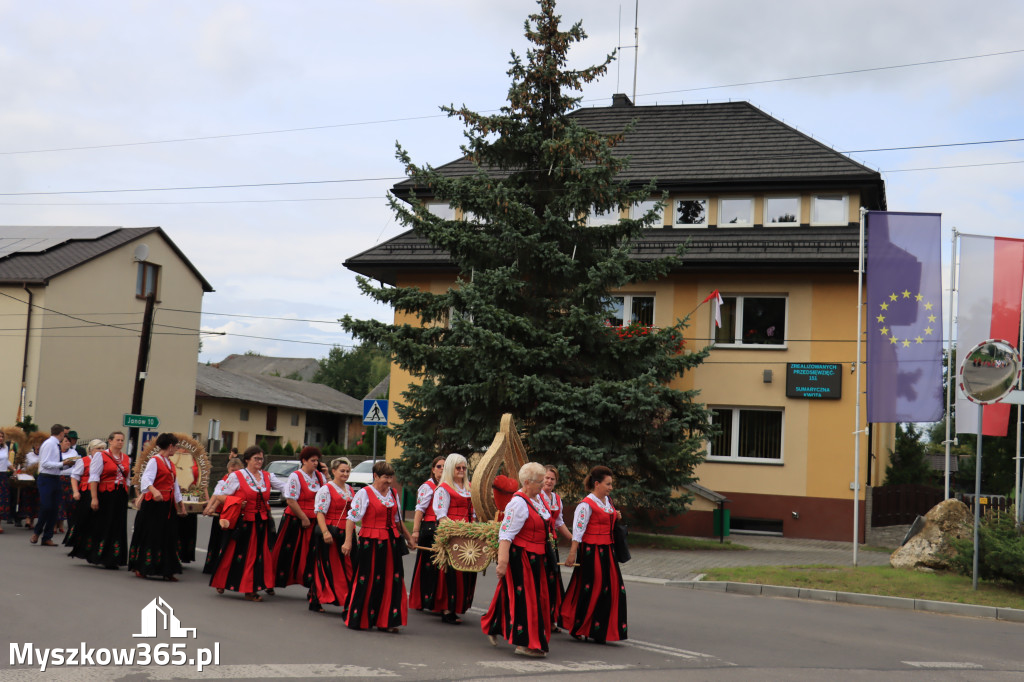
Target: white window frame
441 209
640 209
750 211
707 211
734 439
765 217
627 305
612 217
817 220
738 324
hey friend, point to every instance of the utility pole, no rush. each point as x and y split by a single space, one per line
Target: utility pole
140 372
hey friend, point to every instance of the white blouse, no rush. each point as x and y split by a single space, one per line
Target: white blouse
442 500
96 467
549 501
516 513
5 461
221 484
256 482
295 485
150 472
322 504
357 509
424 497
581 519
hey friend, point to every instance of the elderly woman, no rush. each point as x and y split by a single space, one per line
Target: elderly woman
81 516
244 563
521 608
292 562
109 478
556 527
154 548
424 574
332 570
453 499
586 612
377 597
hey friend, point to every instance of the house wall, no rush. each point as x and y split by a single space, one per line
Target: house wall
250 431
82 371
13 313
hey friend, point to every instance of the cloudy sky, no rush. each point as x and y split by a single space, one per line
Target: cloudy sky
307 99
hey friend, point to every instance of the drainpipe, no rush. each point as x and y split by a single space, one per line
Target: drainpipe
24 359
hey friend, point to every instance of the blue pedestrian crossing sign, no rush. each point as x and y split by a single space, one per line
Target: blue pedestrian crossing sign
375 412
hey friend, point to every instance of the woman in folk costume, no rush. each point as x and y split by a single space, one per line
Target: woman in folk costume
154 548
244 562
67 493
109 478
332 570
216 502
594 606
80 523
5 474
292 562
424 575
520 610
28 495
377 597
556 526
454 500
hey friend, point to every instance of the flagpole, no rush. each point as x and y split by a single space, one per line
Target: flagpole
856 418
950 360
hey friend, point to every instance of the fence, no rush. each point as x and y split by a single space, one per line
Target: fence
894 505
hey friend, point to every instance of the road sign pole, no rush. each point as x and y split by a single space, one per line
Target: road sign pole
374 444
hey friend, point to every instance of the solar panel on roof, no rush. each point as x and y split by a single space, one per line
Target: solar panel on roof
37 239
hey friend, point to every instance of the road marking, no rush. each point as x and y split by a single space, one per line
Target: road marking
538 666
234 672
662 649
944 665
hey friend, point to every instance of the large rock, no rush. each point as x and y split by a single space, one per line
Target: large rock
925 551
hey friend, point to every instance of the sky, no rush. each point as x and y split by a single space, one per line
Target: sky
103 97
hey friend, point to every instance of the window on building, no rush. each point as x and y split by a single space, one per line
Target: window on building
146 279
272 418
624 310
295 419
595 217
746 434
227 439
736 212
441 209
197 408
692 213
829 209
782 210
752 320
243 414
640 209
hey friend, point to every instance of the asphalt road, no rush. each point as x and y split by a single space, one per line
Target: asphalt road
50 600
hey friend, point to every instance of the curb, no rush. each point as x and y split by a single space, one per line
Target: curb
944 607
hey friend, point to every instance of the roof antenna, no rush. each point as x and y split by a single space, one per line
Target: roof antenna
635 46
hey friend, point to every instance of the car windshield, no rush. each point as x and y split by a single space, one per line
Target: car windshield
363 467
282 468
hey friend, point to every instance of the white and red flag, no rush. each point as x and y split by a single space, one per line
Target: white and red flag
989 307
717 298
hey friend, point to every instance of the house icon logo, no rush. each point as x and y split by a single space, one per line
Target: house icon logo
158 615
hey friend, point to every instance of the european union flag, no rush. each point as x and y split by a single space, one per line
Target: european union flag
904 303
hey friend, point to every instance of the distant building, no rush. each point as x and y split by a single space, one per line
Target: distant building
289 368
256 407
72 302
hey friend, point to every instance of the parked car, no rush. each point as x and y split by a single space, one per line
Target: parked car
282 468
362 474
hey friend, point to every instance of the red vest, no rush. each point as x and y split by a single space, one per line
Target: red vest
599 528
459 508
307 497
256 501
108 478
164 481
534 532
335 515
83 482
554 507
429 515
378 521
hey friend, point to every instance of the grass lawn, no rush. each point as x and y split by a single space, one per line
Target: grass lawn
882 580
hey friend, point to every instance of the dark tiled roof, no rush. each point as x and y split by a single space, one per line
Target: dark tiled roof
723 146
260 364
792 248
40 267
212 382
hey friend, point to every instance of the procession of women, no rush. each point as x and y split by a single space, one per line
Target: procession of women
344 548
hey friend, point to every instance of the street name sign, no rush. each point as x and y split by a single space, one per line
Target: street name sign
143 421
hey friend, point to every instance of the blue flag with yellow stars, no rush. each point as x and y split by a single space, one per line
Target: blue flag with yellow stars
904 318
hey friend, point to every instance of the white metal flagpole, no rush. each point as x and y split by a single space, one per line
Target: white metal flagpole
950 360
856 418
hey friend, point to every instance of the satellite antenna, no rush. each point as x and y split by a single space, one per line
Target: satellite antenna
141 253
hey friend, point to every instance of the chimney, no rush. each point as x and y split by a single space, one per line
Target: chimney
621 100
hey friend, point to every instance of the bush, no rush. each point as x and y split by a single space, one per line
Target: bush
1000 551
276 449
264 445
288 449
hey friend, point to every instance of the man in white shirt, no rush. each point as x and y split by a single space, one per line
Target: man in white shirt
48 483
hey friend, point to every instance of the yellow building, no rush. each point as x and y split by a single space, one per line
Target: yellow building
771 217
72 301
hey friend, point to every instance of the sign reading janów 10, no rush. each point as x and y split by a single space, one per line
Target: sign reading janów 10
143 421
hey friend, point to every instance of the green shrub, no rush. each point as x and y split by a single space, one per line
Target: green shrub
1000 551
288 449
276 449
264 445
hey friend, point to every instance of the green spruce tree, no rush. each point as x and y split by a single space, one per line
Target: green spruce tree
523 329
